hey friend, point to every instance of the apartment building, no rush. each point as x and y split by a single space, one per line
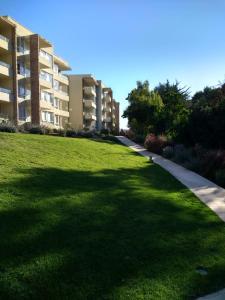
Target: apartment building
91 104
32 85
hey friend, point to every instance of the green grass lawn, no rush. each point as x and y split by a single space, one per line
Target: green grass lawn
85 219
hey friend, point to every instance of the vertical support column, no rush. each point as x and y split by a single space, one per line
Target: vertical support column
117 113
14 75
34 75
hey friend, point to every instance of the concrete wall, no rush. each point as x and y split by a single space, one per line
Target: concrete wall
76 101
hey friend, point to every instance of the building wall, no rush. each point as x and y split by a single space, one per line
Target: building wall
76 102
28 107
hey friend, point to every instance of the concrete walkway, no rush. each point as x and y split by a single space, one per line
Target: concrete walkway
208 192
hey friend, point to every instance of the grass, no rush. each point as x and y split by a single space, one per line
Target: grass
84 219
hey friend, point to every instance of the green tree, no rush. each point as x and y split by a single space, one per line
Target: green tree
144 106
175 113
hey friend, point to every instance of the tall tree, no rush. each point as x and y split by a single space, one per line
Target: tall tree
144 105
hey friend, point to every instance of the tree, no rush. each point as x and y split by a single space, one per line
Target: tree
144 105
175 113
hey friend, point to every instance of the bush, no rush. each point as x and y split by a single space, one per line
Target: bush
155 143
193 164
220 177
168 152
212 161
85 134
182 154
39 129
8 127
111 138
139 138
105 131
70 133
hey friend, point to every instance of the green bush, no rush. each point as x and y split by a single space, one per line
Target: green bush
70 133
182 154
168 152
220 177
155 143
39 129
8 127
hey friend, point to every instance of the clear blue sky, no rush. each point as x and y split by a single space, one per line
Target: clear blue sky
122 41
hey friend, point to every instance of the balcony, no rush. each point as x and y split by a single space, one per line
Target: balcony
89 103
23 51
4 43
61 95
61 78
45 60
4 117
107 98
5 95
107 109
25 96
62 113
108 119
4 69
89 116
45 80
89 91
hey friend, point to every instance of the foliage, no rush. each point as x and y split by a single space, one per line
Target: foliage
8 127
220 177
168 152
144 105
155 143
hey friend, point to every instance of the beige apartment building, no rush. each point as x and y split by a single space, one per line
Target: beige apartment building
91 104
32 86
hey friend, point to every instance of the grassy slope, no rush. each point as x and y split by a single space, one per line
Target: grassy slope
81 219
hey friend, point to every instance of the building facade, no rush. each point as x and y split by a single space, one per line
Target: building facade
91 104
32 86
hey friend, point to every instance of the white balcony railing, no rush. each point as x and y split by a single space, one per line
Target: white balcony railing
5 91
89 90
2 37
4 64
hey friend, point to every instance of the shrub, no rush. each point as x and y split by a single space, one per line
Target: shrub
85 134
220 177
8 127
168 152
193 164
155 143
182 154
139 138
39 129
105 131
70 133
212 161
111 138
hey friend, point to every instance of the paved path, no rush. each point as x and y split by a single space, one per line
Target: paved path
208 192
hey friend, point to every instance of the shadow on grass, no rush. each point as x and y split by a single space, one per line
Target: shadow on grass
104 235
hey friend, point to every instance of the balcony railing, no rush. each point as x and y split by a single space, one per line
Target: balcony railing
26 94
62 76
6 91
2 37
4 64
89 90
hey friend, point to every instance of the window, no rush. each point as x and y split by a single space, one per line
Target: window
46 56
56 85
45 96
57 102
46 76
56 68
56 120
47 116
